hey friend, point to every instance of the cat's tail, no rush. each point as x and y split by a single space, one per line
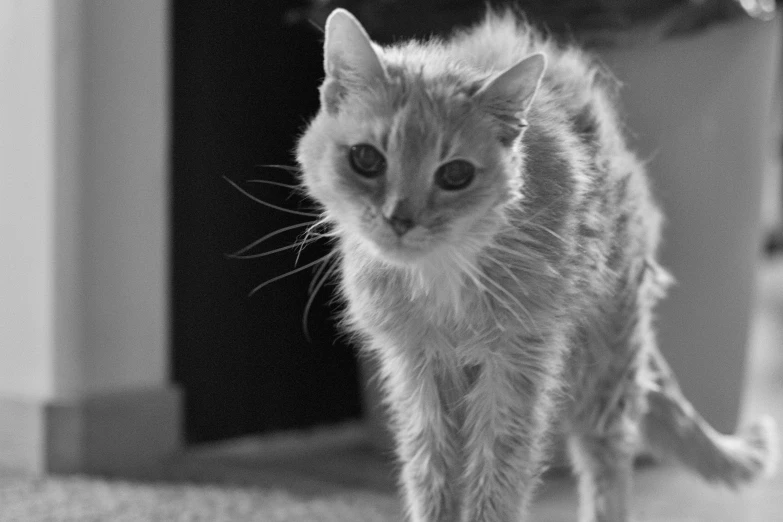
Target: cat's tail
673 426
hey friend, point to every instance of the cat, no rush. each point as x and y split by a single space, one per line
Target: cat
496 253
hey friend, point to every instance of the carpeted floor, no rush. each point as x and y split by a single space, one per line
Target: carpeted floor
79 499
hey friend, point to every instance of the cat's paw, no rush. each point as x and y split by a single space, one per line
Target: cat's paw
762 436
751 454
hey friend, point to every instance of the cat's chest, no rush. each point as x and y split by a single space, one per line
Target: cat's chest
438 309
435 298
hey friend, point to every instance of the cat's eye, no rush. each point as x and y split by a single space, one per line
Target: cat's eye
455 175
366 160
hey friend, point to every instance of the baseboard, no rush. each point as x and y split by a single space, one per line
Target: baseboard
120 432
288 444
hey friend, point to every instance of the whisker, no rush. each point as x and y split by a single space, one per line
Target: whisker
508 271
465 268
270 205
262 254
522 260
276 183
310 235
513 298
468 271
526 239
529 260
239 252
289 168
507 306
315 24
545 229
290 273
528 219
316 277
519 304
519 222
302 241
313 293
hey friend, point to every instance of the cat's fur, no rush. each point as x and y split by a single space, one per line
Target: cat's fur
520 303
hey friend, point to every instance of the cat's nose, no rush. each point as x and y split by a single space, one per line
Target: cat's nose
400 225
399 214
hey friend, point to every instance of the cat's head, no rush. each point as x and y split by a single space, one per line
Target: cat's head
413 153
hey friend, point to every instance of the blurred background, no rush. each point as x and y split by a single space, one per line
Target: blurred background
127 336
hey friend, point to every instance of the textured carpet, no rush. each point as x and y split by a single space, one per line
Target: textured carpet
32 499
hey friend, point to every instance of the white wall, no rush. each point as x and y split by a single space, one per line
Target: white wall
27 158
83 196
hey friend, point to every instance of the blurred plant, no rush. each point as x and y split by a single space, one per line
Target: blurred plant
591 22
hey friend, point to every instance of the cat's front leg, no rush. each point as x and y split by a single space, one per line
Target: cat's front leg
508 408
425 437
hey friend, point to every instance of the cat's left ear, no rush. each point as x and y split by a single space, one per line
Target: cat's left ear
508 96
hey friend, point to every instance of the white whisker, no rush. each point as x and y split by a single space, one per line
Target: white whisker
316 277
288 168
546 229
291 272
295 188
475 276
314 291
311 235
257 242
483 291
508 271
262 254
528 260
267 204
516 301
529 219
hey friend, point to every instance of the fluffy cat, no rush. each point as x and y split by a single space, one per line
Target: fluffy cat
496 251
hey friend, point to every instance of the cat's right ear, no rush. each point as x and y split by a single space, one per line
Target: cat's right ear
350 61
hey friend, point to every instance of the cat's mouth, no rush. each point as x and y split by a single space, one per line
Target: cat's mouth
405 249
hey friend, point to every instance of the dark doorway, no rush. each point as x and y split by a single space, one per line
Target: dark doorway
244 84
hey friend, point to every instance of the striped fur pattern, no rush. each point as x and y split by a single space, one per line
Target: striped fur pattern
519 304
